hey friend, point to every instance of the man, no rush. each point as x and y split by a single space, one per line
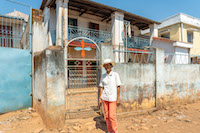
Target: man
109 95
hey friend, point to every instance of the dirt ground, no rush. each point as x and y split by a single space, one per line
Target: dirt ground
173 119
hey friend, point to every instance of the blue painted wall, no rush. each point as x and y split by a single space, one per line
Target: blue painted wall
15 79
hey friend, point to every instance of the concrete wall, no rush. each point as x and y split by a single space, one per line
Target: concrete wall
138 89
182 83
49 90
158 84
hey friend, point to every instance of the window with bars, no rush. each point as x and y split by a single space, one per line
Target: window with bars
6 37
190 36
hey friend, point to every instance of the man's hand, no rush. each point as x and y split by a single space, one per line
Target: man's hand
118 102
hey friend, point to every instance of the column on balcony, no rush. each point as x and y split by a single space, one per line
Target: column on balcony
153 32
117 35
59 10
65 22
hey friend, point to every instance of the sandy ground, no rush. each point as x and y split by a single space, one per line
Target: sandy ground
173 119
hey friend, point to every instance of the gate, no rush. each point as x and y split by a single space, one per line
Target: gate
82 77
15 58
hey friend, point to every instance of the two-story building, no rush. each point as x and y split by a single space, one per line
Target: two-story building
183 28
65 20
82 27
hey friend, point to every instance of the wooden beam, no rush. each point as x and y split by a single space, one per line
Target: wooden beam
108 20
83 12
87 12
105 18
134 22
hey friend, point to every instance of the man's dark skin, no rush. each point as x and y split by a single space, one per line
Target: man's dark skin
108 70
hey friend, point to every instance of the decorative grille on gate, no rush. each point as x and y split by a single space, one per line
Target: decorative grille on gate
81 76
82 81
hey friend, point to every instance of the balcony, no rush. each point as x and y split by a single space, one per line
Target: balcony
137 42
100 36
96 35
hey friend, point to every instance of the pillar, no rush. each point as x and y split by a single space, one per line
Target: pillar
153 32
55 89
106 53
59 8
65 22
160 77
117 35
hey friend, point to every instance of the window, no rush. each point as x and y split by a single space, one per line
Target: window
6 36
190 37
94 26
72 22
166 35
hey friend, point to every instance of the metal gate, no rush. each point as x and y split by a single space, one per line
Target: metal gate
15 59
82 68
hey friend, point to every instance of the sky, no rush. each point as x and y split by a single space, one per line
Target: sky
152 9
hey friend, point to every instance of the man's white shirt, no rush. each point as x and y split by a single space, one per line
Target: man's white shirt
110 82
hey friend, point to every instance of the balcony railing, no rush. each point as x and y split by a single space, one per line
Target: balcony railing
96 35
137 42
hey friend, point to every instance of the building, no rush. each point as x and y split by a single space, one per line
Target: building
12 26
181 28
83 27
96 21
67 20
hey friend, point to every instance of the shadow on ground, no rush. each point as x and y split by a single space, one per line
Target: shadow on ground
100 123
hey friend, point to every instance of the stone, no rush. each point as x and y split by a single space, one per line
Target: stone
135 120
90 128
63 131
187 120
77 128
143 121
143 124
158 118
181 116
70 131
39 130
154 125
144 128
167 108
169 120
129 127
91 123
132 128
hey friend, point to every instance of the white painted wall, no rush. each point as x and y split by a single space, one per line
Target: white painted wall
175 53
167 46
46 14
38 37
182 55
